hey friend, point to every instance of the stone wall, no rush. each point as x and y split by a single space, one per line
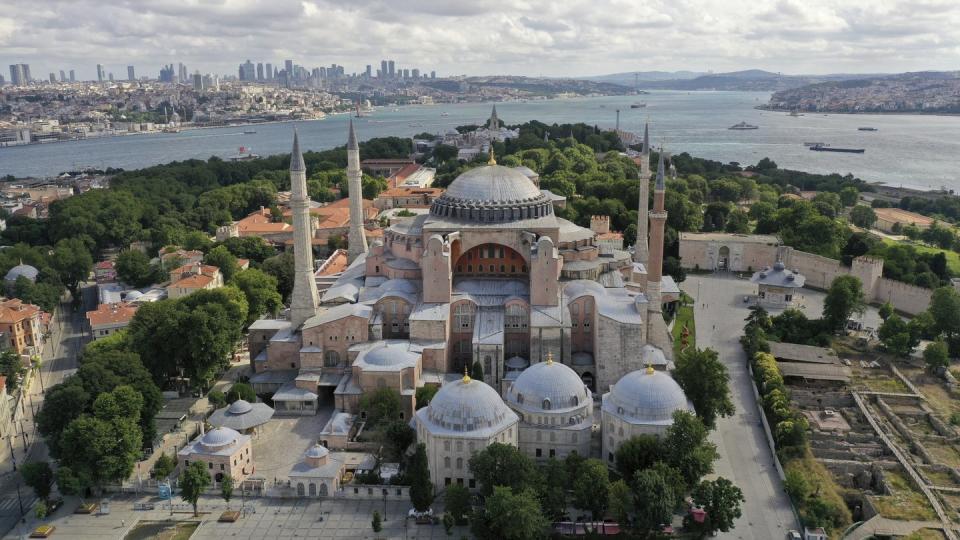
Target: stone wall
907 298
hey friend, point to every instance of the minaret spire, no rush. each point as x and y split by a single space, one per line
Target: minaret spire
494 123
641 250
304 300
357 238
658 219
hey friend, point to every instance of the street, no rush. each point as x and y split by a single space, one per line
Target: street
59 361
745 456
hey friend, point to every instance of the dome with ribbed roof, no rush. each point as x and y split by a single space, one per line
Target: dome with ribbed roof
492 193
24 270
467 407
218 438
317 451
547 386
646 397
240 406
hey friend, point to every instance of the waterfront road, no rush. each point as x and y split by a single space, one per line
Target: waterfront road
66 339
745 456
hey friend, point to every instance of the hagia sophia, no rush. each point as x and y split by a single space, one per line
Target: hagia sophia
570 333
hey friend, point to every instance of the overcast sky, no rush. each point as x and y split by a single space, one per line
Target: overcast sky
475 37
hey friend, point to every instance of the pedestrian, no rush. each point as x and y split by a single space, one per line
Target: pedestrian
123 523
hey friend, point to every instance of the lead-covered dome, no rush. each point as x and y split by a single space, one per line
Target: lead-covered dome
548 386
218 438
492 193
646 397
22 270
467 407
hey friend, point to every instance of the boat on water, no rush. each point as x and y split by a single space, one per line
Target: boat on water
821 148
444 114
795 113
171 130
815 144
637 105
244 153
743 126
866 129
249 132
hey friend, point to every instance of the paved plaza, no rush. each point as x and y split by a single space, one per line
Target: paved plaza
281 443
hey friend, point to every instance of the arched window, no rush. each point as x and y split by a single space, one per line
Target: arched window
516 316
331 359
520 399
574 401
464 316
546 404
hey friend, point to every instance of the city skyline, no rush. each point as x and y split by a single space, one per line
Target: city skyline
534 38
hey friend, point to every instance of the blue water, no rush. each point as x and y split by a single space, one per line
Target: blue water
912 150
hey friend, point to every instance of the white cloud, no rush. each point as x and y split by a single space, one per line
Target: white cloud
572 37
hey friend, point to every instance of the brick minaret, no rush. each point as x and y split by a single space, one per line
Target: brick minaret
357 239
640 249
303 301
658 219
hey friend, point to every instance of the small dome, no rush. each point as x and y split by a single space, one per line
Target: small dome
646 396
465 406
392 353
317 451
219 437
240 406
517 363
24 270
133 295
652 356
548 386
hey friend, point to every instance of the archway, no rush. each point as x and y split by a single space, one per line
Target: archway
588 380
313 489
723 263
491 260
323 490
300 489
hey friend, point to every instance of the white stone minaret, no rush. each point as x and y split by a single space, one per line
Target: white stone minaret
658 220
357 239
303 302
641 250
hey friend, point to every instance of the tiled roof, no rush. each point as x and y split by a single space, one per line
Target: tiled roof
14 310
192 282
111 314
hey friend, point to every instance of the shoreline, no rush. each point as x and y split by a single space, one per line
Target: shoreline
881 113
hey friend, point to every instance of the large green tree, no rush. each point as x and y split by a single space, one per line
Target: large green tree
418 473
261 292
134 268
863 216
553 491
636 453
687 449
945 309
936 355
503 465
591 488
72 259
281 267
221 257
620 502
706 382
457 502
382 406
897 337
193 482
39 476
721 500
653 500
510 516
844 298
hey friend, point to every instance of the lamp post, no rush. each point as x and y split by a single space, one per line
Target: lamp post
384 504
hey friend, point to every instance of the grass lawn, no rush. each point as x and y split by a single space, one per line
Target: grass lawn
684 317
821 481
905 502
158 530
953 258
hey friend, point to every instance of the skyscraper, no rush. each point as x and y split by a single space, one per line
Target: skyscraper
406 73
269 71
433 74
131 76
16 74
259 71
369 72
383 69
110 76
99 72
63 77
415 73
197 81
182 72
288 67
73 76
391 72
248 72
26 73
53 77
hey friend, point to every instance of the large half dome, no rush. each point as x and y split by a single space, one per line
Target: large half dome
492 193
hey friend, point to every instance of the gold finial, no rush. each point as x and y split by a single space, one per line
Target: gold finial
650 369
466 377
550 358
493 159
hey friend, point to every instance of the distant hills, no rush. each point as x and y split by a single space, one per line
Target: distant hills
929 92
746 80
532 85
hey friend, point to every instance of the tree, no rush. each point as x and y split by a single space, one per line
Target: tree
637 453
242 391
375 522
849 196
281 267
591 489
424 394
796 484
382 406
260 289
553 490
886 310
863 216
70 482
134 268
620 502
652 499
687 449
226 489
221 257
945 309
193 482
476 371
936 355
844 298
39 476
457 502
216 398
418 472
11 367
73 262
706 382
503 465
720 500
399 436
897 337
164 466
510 516
63 403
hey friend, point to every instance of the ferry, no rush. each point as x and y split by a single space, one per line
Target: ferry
815 144
819 148
795 113
637 105
249 132
866 129
743 126
244 154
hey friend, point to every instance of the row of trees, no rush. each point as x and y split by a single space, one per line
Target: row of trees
940 323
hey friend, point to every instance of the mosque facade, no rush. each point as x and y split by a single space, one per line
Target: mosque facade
491 275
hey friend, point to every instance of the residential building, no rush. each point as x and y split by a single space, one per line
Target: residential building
191 278
21 325
108 319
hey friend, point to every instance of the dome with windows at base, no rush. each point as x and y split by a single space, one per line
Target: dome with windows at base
646 397
547 386
492 193
467 407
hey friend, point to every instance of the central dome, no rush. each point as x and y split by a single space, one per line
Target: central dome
492 193
467 406
647 397
548 386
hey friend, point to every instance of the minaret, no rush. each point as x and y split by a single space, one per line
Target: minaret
641 249
658 219
357 239
494 123
303 301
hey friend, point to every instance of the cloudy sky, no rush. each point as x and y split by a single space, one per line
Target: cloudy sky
531 37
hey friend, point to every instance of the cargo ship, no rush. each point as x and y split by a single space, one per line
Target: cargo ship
866 129
743 125
821 148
